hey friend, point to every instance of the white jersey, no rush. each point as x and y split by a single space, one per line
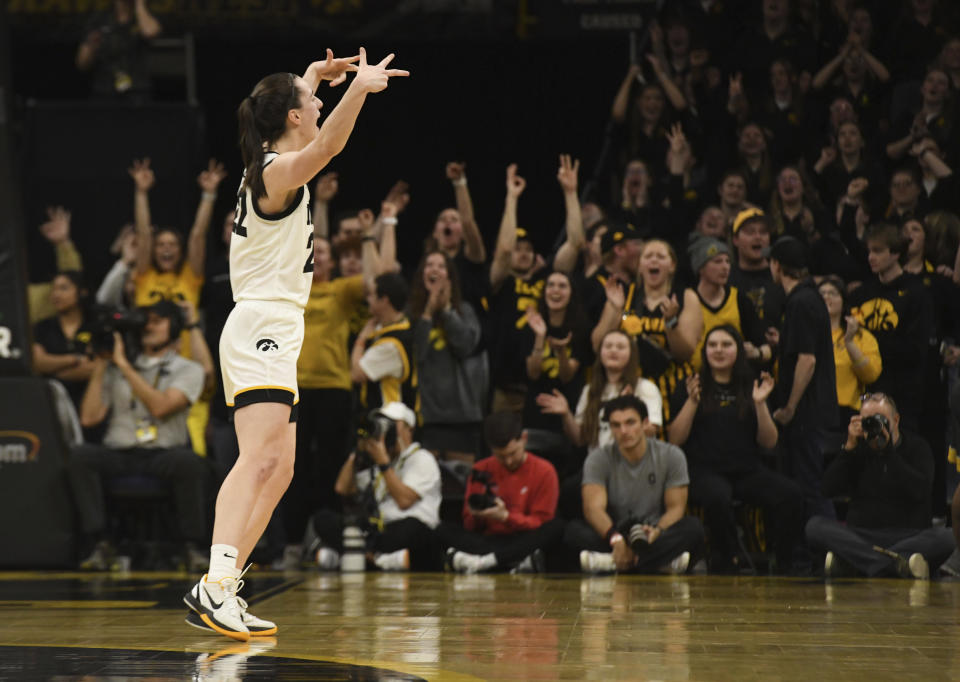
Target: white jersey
271 255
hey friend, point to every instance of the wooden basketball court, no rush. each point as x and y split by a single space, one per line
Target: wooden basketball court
381 626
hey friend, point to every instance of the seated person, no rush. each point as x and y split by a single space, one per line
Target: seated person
722 421
145 403
395 486
511 528
888 474
634 499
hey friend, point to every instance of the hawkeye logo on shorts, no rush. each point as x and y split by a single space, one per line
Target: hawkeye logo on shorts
267 345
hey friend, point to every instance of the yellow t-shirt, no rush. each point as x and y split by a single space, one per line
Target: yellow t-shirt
850 384
325 359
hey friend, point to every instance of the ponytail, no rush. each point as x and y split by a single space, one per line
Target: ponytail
262 119
251 148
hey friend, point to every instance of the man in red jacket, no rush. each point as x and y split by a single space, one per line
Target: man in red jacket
508 513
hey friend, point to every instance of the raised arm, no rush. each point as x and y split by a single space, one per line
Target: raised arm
766 429
208 180
670 88
146 22
507 237
824 75
57 231
566 258
621 101
143 180
199 350
324 190
473 248
293 169
679 429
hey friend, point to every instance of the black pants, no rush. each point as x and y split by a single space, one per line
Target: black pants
686 535
856 545
182 467
805 446
410 534
509 550
324 430
780 497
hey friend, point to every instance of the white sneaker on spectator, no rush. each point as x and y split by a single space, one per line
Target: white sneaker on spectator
678 565
597 562
328 559
919 568
393 561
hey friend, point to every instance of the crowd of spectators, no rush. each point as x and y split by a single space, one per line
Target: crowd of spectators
769 259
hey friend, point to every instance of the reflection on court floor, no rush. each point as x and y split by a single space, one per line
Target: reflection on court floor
380 626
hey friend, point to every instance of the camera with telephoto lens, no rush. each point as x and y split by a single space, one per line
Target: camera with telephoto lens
486 499
105 320
876 428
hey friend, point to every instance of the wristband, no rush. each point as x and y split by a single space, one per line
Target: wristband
460 182
192 325
209 195
369 238
383 468
671 322
389 220
615 538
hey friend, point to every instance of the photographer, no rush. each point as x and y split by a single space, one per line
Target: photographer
634 501
509 511
888 474
395 485
145 402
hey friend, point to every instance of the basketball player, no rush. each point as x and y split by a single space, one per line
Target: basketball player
271 264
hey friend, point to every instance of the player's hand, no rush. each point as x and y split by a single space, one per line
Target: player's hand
335 69
375 77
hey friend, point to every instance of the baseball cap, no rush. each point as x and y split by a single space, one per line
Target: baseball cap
704 249
398 412
522 235
748 215
788 251
616 234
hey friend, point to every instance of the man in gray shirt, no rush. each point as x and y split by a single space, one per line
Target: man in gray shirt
146 404
634 500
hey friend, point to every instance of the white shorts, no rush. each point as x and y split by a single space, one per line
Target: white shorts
259 348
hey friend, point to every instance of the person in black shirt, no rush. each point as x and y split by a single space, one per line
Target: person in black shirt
751 269
560 348
722 421
61 344
457 234
518 277
894 307
807 385
620 245
887 473
114 49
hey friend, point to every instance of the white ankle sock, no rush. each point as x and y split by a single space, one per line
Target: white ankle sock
223 562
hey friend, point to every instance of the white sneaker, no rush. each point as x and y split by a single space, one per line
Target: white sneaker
328 559
219 607
919 568
466 563
393 561
597 562
678 565
258 627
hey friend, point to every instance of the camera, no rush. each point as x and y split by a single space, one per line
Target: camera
874 427
486 499
374 426
105 320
